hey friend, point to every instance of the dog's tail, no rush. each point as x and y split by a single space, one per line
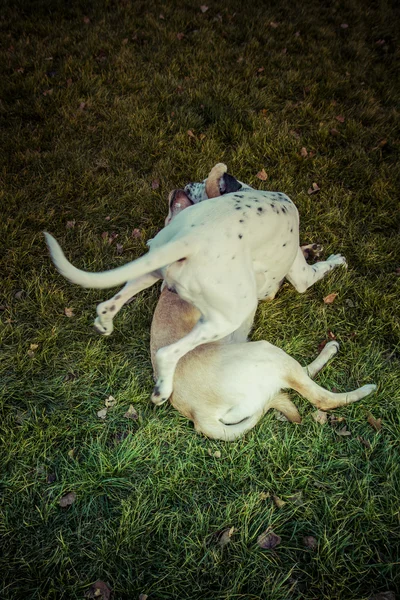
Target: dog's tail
157 258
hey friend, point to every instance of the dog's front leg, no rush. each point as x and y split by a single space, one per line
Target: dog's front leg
107 310
214 328
302 275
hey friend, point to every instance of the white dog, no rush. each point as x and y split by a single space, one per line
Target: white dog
219 256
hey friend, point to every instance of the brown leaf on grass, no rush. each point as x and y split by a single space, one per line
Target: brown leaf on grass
335 419
340 118
48 92
67 500
203 8
68 312
226 537
143 596
20 294
262 175
51 478
113 236
86 20
343 431
381 144
216 454
320 416
180 36
260 70
331 335
161 16
297 498
108 218
98 591
82 106
136 233
110 402
303 152
330 298
375 423
69 82
264 495
131 413
310 542
344 26
104 235
190 133
383 596
71 453
364 442
70 224
32 348
102 413
334 132
295 134
155 184
202 136
268 540
274 25
278 501
313 189
119 248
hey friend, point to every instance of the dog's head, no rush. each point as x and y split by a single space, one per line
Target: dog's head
218 182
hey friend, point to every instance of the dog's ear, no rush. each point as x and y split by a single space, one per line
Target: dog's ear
220 182
229 184
178 200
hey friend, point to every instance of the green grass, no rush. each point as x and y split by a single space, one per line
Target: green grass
150 499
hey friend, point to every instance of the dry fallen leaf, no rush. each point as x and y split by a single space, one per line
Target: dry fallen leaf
180 36
119 248
330 298
86 20
202 136
364 442
320 417
82 106
274 25
344 26
303 152
68 312
51 478
343 431
268 540
278 501
331 335
67 500
334 131
70 224
102 413
226 537
264 495
203 8
131 413
216 454
99 590
110 401
297 498
313 189
375 423
310 542
143 596
136 233
190 133
262 175
20 294
155 184
71 453
335 419
340 119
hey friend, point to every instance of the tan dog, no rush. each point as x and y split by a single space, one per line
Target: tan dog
225 387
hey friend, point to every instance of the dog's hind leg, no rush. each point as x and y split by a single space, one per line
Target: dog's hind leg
328 352
210 328
302 275
107 310
298 380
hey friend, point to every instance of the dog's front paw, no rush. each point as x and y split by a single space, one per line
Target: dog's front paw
103 329
337 260
160 393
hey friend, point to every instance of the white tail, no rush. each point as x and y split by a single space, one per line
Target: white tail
155 259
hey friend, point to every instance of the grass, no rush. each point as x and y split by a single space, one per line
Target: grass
92 113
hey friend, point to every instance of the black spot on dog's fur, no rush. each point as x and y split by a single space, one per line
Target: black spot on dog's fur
283 245
104 312
118 296
260 209
241 221
112 308
156 392
239 196
238 208
182 259
291 230
248 205
240 236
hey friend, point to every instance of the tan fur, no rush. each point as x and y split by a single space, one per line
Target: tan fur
205 387
212 183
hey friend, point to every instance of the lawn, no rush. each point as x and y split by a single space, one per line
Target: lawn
106 106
